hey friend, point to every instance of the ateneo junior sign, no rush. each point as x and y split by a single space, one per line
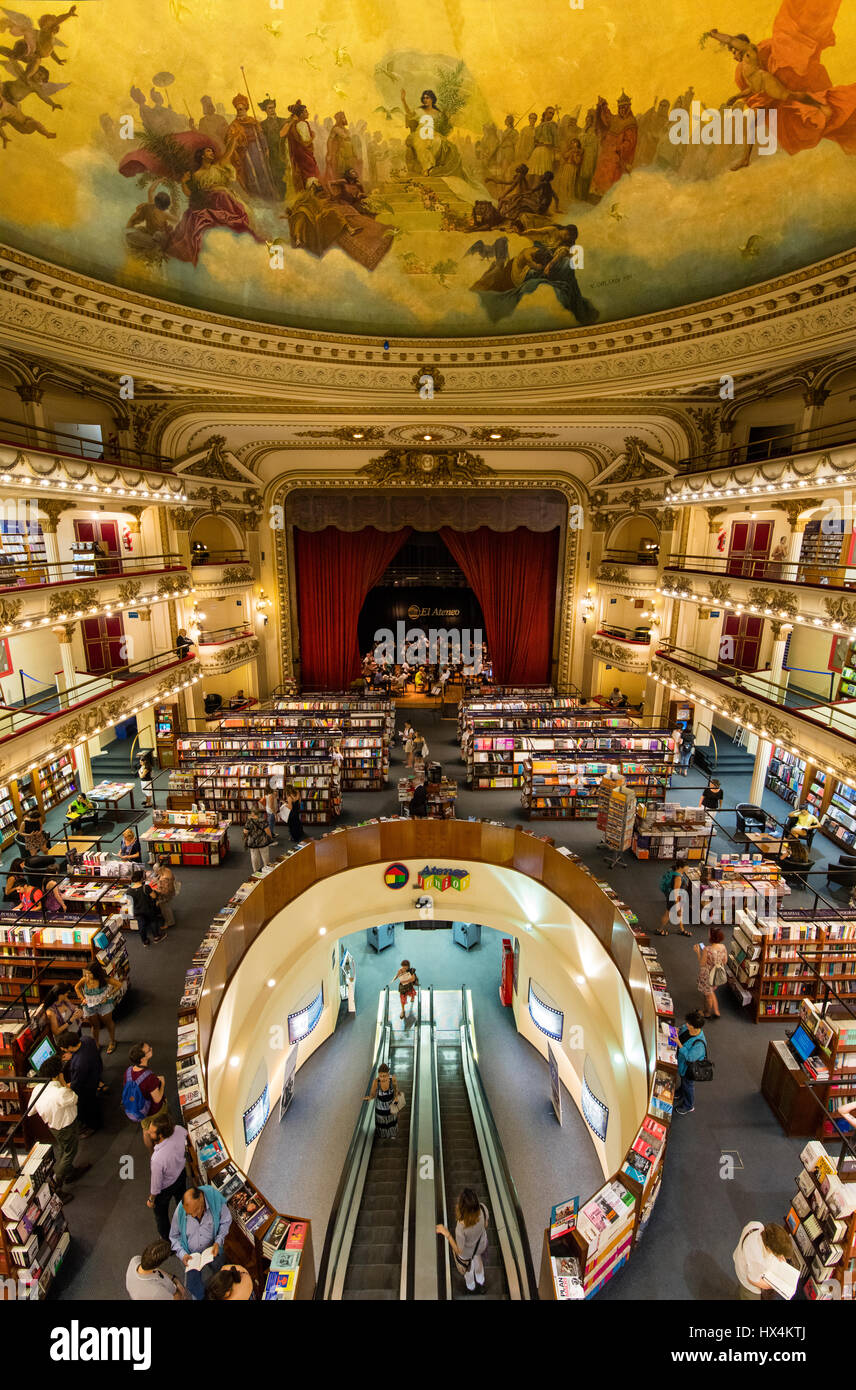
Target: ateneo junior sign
441 879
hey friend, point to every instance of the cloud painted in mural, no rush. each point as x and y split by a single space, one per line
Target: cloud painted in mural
454 170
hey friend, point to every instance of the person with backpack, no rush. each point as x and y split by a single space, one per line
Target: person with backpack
672 888
143 1098
711 969
469 1242
406 979
692 1050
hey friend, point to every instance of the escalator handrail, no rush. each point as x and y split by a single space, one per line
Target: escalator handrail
444 1262
352 1181
491 1149
408 1232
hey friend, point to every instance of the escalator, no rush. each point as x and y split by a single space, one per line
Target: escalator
374 1266
462 1161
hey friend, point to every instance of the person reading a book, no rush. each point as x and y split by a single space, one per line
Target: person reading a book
197 1232
82 811
693 1047
761 1253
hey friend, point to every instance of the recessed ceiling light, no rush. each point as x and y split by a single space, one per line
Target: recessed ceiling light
495 435
426 437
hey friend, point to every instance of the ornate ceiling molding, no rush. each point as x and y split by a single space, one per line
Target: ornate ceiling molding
45 307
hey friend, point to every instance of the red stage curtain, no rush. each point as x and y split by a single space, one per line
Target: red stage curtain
335 570
513 576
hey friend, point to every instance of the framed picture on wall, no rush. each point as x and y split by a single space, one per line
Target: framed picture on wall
839 652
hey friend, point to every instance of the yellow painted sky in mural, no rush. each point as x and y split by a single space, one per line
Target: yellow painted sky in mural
65 199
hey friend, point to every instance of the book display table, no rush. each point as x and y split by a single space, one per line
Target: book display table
111 793
188 837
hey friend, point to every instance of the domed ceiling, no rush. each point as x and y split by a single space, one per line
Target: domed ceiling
440 168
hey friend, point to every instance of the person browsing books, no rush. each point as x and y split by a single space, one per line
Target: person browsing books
168 1171
56 1104
257 837
693 1047
199 1227
759 1251
146 1282
711 969
83 1069
147 1103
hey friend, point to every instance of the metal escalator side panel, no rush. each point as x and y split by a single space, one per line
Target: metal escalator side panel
406 1282
507 1214
349 1197
423 1247
444 1256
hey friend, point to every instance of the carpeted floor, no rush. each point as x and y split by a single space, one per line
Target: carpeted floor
686 1251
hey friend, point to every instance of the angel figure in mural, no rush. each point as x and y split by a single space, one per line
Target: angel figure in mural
785 74
17 90
38 42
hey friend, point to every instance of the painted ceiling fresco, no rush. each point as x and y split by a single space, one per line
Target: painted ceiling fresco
440 167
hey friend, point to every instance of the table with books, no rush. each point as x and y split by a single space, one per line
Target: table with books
111 793
188 837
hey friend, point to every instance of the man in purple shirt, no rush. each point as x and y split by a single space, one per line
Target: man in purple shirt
169 1175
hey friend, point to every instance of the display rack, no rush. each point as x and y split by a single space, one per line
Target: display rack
64 947
441 796
832 1067
511 704
23 557
840 821
166 727
188 837
822 1221
821 550
672 831
34 1234
8 816
785 774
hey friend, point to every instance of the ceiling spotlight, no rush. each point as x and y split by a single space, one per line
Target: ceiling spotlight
427 438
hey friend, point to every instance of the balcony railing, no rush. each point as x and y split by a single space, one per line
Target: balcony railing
631 557
635 637
220 635
21 435
84 571
759 685
774 446
769 571
218 557
14 719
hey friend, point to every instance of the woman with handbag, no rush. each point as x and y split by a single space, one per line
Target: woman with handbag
406 979
711 970
469 1242
388 1101
692 1049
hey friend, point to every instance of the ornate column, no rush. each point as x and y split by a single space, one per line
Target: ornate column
759 771
34 415
134 514
64 634
814 397
780 632
250 521
600 523
52 513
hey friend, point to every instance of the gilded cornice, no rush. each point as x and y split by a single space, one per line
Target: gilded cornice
45 306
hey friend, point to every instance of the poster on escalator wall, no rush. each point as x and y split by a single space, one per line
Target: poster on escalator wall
555 1084
288 1081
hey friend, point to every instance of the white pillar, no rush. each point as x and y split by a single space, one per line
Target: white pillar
759 771
85 779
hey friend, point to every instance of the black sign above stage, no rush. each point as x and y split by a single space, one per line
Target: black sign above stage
454 609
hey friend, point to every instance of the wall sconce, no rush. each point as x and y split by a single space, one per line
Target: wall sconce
196 620
263 605
587 605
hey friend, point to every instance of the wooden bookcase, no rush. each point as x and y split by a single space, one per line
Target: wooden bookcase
231 771
34 1234
822 1222
500 757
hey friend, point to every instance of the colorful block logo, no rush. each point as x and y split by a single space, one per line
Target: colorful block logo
441 879
395 876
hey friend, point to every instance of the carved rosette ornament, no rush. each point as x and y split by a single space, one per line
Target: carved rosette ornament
441 468
71 601
130 590
9 610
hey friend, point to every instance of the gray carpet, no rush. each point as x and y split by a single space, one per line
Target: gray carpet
687 1248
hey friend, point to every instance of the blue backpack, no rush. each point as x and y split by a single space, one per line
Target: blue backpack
667 881
134 1103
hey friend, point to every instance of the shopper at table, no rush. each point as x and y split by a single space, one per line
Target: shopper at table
469 1243
168 1181
233 1284
150 1103
53 901
615 698
757 1247
144 905
711 797
129 847
81 810
83 1068
163 887
406 979
29 896
98 995
64 1013
257 837
200 1223
56 1104
294 822
384 1089
693 1048
146 1282
419 802
711 969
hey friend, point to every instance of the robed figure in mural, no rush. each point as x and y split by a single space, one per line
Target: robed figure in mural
618 135
299 139
428 149
784 74
250 155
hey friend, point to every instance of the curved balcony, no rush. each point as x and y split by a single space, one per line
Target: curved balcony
226 647
629 572
821 596
219 573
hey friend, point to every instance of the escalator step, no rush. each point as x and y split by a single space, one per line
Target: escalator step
374 1276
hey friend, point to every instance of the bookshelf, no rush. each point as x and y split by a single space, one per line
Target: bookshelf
24 790
365 729
441 796
22 1023
501 758
56 780
84 557
8 816
512 704
782 981
227 785
785 774
822 549
840 822
23 557
822 1222
166 724
34 1234
559 789
64 947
